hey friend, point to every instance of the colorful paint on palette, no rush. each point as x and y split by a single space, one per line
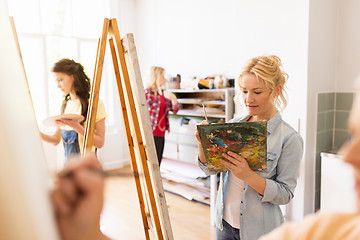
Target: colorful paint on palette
248 139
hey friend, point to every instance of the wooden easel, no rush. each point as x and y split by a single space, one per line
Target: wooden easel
137 127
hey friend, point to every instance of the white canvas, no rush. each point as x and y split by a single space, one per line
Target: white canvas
25 206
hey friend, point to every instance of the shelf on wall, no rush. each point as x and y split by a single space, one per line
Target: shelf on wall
200 101
181 145
198 114
199 90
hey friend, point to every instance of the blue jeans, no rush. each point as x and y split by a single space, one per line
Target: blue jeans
228 232
71 143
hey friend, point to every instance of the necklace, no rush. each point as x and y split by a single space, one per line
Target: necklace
162 129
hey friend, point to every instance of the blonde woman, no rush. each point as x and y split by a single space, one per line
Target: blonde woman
160 102
247 205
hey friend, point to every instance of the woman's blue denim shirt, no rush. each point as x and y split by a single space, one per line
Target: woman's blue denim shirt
261 214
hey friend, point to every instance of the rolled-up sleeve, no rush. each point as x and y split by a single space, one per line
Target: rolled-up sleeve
204 168
281 189
175 108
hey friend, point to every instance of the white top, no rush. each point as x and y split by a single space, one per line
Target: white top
232 201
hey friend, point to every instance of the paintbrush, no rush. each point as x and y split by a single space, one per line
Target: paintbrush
69 174
205 113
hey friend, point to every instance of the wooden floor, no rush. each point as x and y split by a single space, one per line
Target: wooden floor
121 215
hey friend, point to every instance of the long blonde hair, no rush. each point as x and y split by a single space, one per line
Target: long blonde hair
152 78
268 69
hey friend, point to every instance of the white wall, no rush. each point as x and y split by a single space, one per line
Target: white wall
206 37
114 154
321 77
348 40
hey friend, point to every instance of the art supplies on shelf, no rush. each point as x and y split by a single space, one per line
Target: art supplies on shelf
248 139
181 143
218 102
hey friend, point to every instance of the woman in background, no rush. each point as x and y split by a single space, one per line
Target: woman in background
75 84
247 204
159 103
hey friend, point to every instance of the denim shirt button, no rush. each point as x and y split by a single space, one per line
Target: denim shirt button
241 201
240 214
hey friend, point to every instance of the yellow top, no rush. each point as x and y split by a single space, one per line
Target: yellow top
74 107
322 225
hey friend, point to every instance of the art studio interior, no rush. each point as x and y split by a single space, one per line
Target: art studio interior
202 46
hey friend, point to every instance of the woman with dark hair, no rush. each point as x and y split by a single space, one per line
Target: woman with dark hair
75 84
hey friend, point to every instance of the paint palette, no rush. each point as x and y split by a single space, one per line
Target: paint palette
248 139
53 120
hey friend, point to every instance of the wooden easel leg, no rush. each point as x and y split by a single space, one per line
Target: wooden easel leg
129 139
137 86
13 28
94 96
136 128
86 132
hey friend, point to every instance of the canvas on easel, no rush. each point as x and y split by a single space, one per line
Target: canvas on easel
25 206
136 122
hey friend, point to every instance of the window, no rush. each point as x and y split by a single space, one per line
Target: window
49 30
